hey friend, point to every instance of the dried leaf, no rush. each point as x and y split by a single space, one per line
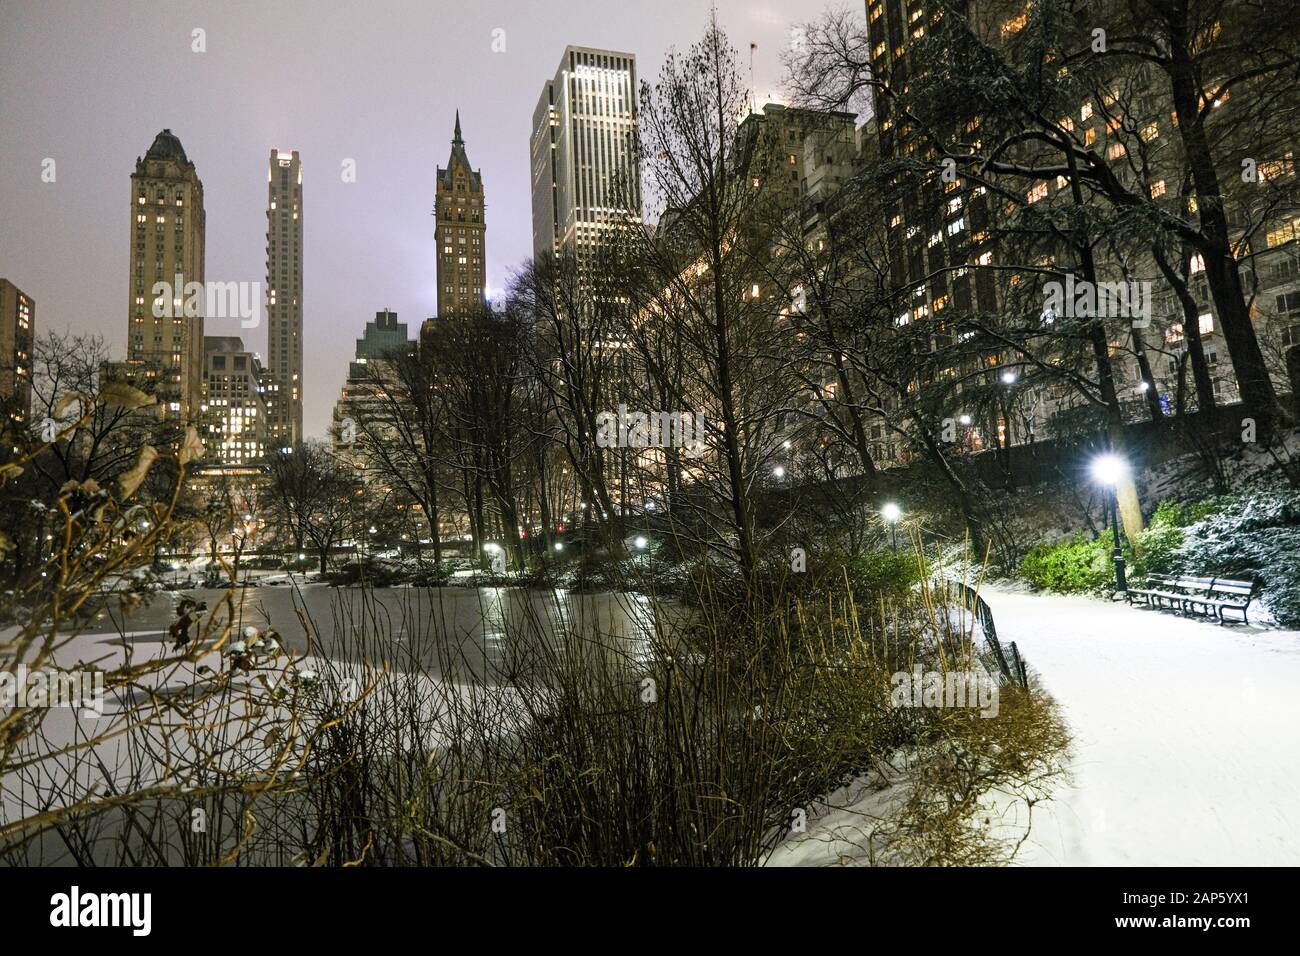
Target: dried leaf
66 401
131 480
191 448
124 396
9 472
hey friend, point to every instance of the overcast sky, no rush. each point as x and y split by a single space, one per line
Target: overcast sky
89 83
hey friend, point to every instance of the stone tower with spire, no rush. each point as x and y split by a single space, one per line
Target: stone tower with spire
461 233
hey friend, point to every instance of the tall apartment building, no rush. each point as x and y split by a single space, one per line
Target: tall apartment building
17 333
284 297
165 338
237 428
585 175
969 219
461 233
366 373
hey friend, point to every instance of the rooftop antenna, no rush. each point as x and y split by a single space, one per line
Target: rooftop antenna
753 94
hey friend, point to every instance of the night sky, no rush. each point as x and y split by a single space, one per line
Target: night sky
89 83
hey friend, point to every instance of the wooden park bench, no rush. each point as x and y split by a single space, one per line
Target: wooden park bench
1210 597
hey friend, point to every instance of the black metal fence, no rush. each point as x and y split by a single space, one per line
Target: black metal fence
1008 660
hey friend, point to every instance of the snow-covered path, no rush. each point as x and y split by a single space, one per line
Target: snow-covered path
1187 735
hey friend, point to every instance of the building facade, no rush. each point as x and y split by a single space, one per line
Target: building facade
165 325
585 175
284 221
951 261
360 401
461 233
236 417
17 335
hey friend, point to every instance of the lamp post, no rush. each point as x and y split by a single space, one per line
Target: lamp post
891 514
497 557
1107 470
1009 379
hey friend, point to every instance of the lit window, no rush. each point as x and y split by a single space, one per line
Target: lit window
1015 24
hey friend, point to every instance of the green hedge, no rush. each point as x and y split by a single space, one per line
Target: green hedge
1078 566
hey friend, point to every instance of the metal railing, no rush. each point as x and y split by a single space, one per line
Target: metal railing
1009 662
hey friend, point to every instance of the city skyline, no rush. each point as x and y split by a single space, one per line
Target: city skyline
869 436
371 243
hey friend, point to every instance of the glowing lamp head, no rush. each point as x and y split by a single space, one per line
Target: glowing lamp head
1108 469
891 512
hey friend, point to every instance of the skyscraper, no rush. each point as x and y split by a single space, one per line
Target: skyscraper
584 165
284 298
236 431
461 233
165 326
17 332
369 374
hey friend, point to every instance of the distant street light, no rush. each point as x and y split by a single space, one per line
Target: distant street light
559 546
640 542
1108 470
778 472
892 514
498 559
1008 377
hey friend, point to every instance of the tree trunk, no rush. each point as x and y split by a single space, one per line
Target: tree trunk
1221 270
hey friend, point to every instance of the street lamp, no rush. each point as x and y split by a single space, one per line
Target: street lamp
778 472
1107 470
892 515
640 542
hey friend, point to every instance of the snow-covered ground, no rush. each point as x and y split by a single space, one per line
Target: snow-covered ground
1186 734
1186 743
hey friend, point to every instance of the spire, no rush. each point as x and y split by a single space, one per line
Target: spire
456 140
